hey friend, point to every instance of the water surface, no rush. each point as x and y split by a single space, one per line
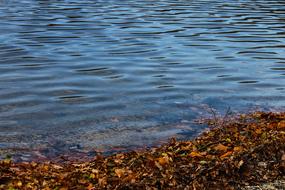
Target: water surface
82 74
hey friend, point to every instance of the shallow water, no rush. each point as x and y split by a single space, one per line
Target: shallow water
130 73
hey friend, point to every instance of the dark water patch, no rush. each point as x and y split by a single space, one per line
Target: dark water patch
278 68
248 82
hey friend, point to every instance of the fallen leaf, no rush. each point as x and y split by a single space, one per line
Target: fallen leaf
19 184
163 160
226 154
283 157
281 124
237 149
119 172
92 176
221 147
195 154
240 163
258 131
102 181
158 165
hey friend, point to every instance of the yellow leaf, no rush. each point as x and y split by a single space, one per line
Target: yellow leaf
19 184
237 149
119 172
34 164
240 163
92 176
45 167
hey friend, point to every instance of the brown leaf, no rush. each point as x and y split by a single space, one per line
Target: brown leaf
221 148
102 181
283 157
158 165
281 124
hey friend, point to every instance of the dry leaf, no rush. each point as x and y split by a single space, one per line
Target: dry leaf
195 154
158 165
258 131
237 149
281 124
226 154
119 172
240 163
221 147
283 157
163 160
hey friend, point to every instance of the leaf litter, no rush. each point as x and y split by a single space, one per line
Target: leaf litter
246 150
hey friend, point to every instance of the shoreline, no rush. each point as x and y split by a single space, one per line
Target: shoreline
241 151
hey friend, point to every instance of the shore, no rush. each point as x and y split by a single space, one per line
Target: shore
243 152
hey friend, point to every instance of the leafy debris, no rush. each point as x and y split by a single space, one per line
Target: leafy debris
248 150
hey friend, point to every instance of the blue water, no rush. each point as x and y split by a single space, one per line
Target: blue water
129 73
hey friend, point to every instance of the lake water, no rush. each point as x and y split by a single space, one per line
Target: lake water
79 74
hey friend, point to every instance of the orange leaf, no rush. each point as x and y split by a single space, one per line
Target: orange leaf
226 154
195 154
163 160
258 131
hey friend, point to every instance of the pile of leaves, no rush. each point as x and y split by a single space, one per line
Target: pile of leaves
248 150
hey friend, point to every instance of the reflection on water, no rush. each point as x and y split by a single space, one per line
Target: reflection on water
127 73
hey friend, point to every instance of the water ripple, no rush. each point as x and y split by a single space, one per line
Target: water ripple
109 72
